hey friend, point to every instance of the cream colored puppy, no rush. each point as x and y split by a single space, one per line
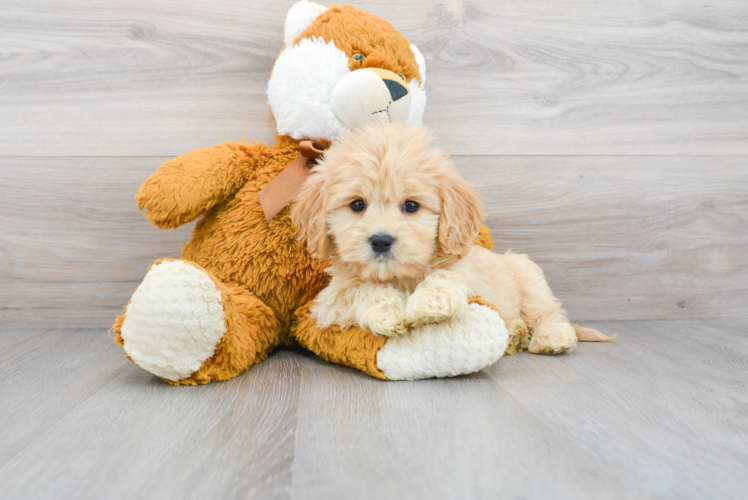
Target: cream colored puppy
400 224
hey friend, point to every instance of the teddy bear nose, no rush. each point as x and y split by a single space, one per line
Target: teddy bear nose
396 89
381 243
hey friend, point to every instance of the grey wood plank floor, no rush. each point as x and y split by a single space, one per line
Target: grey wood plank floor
660 413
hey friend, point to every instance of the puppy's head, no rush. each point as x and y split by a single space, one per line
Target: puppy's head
387 204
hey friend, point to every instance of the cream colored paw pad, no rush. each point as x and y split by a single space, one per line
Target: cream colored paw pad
464 345
174 320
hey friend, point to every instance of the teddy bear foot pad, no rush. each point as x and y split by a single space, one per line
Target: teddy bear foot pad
461 346
174 320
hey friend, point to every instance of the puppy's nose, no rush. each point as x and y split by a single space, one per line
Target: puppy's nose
381 243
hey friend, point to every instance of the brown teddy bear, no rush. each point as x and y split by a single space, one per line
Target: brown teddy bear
243 284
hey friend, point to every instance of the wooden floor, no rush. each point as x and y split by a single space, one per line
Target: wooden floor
660 413
610 142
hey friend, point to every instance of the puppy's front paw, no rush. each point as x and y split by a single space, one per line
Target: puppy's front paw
434 305
384 320
387 325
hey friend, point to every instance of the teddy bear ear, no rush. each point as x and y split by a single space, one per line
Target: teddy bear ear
300 16
421 61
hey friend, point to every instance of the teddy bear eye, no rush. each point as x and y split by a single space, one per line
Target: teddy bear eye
358 205
359 57
411 206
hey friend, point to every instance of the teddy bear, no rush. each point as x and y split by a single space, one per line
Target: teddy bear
243 284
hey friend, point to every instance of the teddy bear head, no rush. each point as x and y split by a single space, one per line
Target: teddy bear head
341 68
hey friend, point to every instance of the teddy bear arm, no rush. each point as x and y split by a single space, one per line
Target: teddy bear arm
187 186
484 237
464 345
351 346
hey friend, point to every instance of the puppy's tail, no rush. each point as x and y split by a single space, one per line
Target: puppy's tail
591 335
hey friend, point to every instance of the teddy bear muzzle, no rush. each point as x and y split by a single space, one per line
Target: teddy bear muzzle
370 94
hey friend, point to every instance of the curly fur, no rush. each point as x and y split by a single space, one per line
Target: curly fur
434 265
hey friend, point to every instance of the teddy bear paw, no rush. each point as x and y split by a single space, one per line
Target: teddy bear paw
464 345
174 320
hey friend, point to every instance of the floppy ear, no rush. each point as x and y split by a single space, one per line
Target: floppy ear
300 16
309 217
460 218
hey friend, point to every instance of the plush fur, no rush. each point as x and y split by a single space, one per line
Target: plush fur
433 265
317 62
466 344
300 100
300 16
190 319
262 277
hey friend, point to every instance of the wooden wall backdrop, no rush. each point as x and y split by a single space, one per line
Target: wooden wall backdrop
610 139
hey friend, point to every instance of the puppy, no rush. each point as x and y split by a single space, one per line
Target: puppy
400 224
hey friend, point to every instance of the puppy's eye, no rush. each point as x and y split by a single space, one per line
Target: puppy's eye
401 76
358 205
359 57
411 206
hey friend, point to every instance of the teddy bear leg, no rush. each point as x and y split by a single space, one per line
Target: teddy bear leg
463 345
187 327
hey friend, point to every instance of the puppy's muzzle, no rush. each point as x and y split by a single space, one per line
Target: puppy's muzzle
381 243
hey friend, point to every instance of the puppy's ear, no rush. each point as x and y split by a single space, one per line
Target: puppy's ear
460 219
309 217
